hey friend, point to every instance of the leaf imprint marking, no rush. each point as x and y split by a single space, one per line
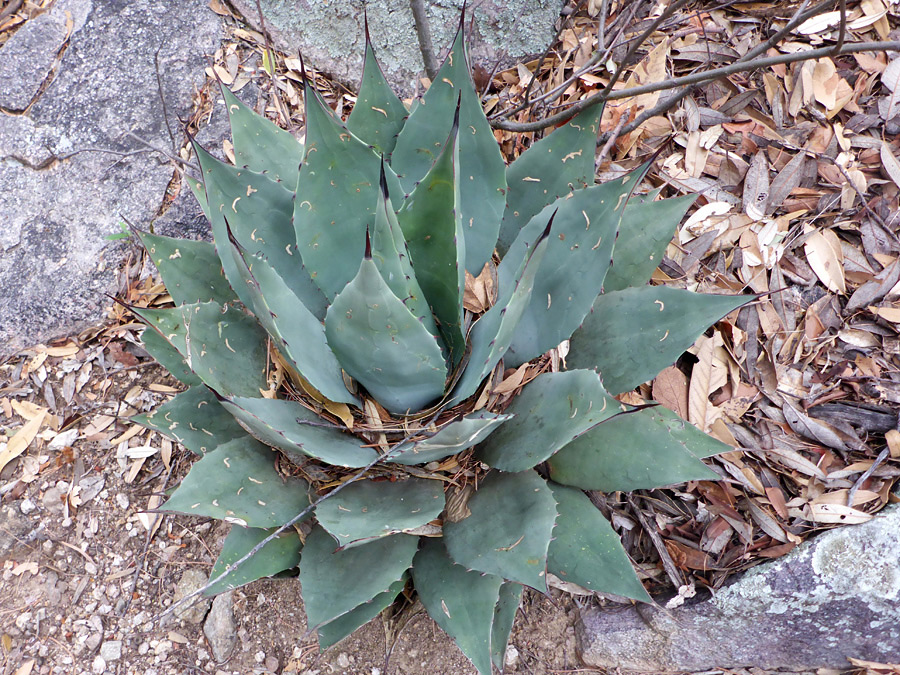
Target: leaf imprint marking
236 200
510 548
661 304
664 336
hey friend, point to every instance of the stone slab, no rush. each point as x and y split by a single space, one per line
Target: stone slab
834 597
55 263
330 35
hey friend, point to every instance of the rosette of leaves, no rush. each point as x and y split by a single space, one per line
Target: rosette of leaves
325 330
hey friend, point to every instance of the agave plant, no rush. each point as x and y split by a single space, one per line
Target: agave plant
326 330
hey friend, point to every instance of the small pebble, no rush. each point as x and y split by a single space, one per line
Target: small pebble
343 660
512 656
260 657
111 650
99 665
27 506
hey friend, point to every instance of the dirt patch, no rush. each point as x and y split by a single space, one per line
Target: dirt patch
81 581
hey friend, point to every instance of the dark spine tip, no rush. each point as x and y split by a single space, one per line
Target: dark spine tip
131 226
462 17
546 232
455 127
368 254
303 74
231 237
366 26
382 181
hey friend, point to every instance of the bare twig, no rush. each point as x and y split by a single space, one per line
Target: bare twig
10 9
883 455
705 76
150 146
842 30
557 91
162 98
423 33
288 525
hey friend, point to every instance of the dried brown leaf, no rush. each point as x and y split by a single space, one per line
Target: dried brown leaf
823 253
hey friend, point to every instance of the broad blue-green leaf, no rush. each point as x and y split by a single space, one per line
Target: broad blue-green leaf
550 412
336 582
646 229
492 334
378 114
640 450
368 509
237 482
195 419
382 345
389 251
482 170
556 165
452 438
632 334
430 220
336 196
578 254
259 213
297 431
334 631
262 146
586 551
190 269
508 530
282 553
504 618
460 601
168 357
227 349
169 323
298 334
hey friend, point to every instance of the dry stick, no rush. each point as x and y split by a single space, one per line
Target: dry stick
296 519
883 455
10 9
557 91
162 98
705 76
423 33
658 543
139 567
799 17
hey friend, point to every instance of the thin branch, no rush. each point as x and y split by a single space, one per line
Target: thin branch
799 17
162 98
165 153
423 33
842 30
651 29
288 525
696 78
557 91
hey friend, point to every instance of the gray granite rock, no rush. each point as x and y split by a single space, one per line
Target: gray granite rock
330 34
834 597
220 628
55 263
192 580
